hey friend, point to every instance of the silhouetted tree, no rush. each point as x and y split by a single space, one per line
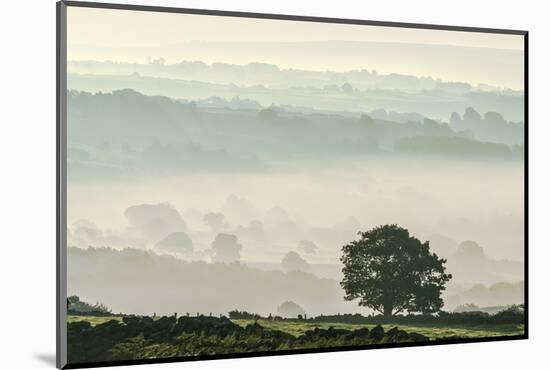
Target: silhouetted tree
290 309
347 88
176 242
366 119
390 272
267 114
471 115
215 220
292 261
75 304
227 248
308 247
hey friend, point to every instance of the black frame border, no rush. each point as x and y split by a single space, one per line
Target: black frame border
61 176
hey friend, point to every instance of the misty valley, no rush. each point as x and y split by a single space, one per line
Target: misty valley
224 208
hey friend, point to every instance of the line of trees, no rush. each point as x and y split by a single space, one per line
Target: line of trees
76 306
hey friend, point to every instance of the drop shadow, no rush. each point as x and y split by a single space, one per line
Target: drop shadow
47 358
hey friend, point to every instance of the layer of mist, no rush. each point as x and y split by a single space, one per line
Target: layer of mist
300 90
202 186
498 67
143 282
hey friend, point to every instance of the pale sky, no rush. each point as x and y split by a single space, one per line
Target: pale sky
132 36
138 28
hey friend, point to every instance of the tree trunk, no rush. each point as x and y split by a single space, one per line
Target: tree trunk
388 309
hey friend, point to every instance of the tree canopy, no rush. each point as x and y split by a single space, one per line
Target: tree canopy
390 272
227 248
292 261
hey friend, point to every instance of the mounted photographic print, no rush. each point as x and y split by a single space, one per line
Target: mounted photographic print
238 184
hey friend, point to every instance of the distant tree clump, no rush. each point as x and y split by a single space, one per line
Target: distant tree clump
390 272
177 242
267 114
470 250
215 220
308 247
290 309
74 304
366 119
347 88
226 248
292 261
454 146
243 315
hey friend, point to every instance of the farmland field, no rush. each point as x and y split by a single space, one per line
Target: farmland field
433 331
93 320
297 328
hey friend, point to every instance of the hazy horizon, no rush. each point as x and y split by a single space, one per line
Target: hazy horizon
170 38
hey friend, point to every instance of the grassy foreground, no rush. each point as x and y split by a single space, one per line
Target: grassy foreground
297 328
93 320
432 331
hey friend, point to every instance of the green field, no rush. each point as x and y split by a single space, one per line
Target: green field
94 320
433 331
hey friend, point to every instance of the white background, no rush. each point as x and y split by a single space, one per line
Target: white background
27 193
